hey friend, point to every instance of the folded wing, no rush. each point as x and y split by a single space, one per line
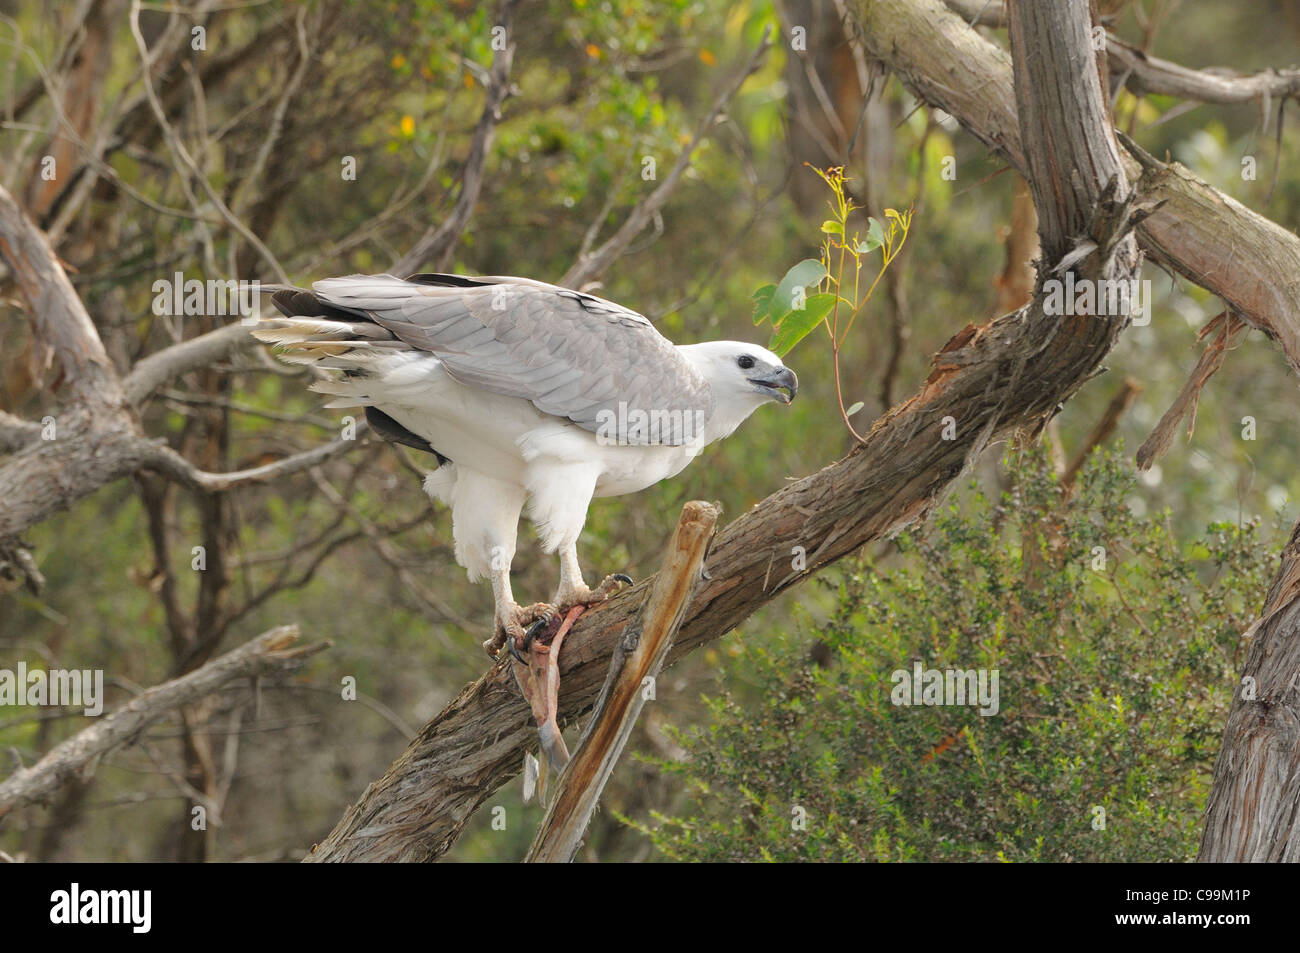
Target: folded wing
572 355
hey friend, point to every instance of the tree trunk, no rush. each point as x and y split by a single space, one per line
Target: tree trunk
1255 799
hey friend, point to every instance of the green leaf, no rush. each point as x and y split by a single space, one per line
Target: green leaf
763 303
795 325
832 227
875 237
807 272
854 409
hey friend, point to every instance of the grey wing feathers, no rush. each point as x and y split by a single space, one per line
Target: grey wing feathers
572 354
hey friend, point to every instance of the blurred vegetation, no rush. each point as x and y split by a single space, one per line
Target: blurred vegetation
1126 722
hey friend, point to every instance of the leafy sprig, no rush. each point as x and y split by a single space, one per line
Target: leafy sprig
793 313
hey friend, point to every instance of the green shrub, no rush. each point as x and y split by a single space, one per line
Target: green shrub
1116 647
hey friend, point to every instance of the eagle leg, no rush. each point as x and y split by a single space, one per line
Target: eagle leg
573 591
579 594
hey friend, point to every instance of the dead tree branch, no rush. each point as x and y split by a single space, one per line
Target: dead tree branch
269 653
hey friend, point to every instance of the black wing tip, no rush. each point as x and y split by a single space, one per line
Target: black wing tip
294 303
298 303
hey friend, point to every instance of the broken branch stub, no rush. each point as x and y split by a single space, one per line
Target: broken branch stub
638 655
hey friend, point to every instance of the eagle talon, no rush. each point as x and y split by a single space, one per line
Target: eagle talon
510 628
624 577
510 644
531 632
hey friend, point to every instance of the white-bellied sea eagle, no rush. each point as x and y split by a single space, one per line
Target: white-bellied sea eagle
530 395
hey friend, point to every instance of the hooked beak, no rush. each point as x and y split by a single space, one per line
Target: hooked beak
782 384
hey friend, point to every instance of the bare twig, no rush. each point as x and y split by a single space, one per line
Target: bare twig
171 464
1230 330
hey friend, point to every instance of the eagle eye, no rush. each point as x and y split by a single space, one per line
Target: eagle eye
745 362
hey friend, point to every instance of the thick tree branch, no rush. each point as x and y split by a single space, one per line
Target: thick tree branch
94 435
59 319
47 476
1198 232
269 653
1255 799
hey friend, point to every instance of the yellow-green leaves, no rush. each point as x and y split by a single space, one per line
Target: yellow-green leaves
794 314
